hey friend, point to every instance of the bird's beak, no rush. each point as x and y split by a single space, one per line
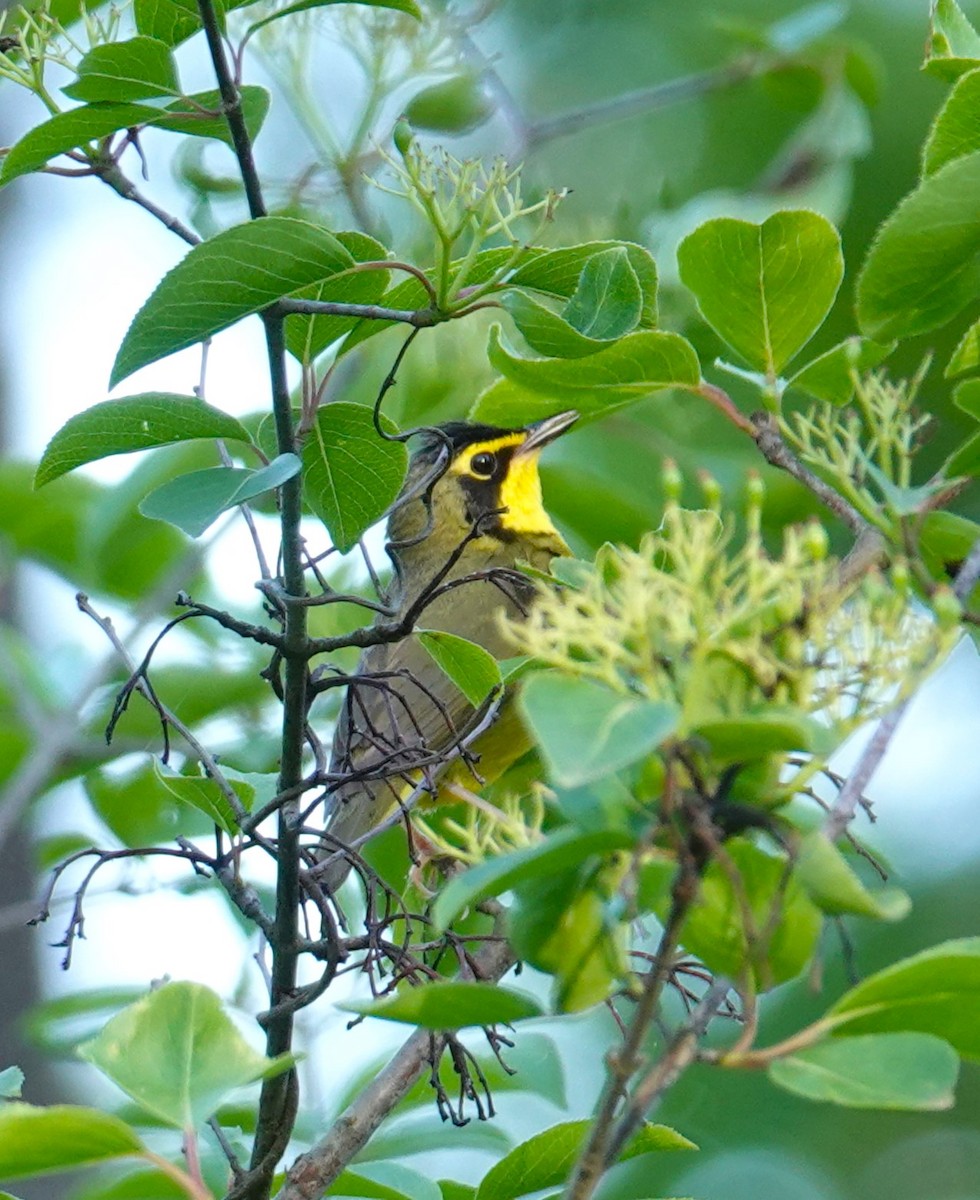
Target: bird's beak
542 432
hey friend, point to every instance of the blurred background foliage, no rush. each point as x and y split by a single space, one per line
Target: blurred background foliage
834 122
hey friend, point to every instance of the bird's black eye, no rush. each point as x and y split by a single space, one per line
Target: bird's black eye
483 464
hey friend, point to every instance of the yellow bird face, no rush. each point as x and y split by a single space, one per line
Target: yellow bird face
492 479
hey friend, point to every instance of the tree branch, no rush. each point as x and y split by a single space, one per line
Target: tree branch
313 1172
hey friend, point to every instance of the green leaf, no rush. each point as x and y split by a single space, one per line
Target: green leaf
966 356
566 926
205 795
546 1159
451 1005
966 397
769 731
404 6
34 1141
193 502
956 130
11 1082
546 331
69 131
132 423
833 886
765 289
307 336
785 923
170 21
586 731
945 539
132 70
924 264
830 376
630 368
909 1072
178 1054
559 273
455 105
384 1181
932 992
138 809
473 670
456 1191
59 1024
954 45
564 849
81 126
351 474
239 271
185 116
607 303
135 1185
965 462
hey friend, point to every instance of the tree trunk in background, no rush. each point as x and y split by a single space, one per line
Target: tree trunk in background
19 976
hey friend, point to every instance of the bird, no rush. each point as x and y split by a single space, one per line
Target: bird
470 511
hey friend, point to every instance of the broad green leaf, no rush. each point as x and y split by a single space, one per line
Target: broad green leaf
69 131
205 795
956 130
178 1054
185 116
954 45
57 1025
564 849
945 539
559 273
239 271
452 1005
136 806
910 1072
966 397
831 375
634 366
966 356
566 926
384 1181
785 923
456 1191
404 6
34 1141
546 1159
924 265
132 423
770 731
964 462
193 502
607 303
351 473
121 71
136 1185
11 1082
555 273
79 127
307 336
833 886
473 670
764 289
455 105
932 992
414 1134
170 21
585 731
545 330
